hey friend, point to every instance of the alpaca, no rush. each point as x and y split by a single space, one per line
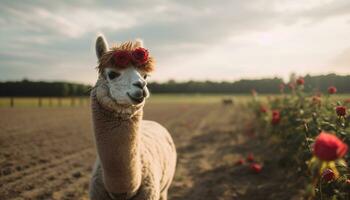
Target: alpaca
136 159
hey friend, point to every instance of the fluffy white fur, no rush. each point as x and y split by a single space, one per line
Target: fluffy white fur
136 158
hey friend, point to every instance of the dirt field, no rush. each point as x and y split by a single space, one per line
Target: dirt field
48 153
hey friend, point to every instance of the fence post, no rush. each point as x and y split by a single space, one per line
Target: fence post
12 102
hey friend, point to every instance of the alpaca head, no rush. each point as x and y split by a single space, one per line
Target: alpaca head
123 71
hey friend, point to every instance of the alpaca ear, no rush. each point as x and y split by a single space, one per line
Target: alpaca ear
138 43
101 46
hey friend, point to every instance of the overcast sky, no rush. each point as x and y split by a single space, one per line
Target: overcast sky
201 39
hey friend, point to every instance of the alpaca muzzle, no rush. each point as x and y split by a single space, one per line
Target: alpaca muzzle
137 97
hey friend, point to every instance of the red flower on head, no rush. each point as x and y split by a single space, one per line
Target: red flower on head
341 110
332 90
140 56
328 175
122 58
300 81
329 147
276 117
256 167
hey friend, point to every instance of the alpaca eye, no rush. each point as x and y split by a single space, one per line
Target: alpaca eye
113 75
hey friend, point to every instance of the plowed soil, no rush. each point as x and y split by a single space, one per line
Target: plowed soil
48 153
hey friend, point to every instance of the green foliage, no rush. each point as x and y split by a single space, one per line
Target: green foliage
303 117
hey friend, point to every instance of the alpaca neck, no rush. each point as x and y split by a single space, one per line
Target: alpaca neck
117 143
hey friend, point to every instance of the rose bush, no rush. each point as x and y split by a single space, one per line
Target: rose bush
312 134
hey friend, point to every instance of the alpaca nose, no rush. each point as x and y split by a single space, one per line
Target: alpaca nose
138 94
140 84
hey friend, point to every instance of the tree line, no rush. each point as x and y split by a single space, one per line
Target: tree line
26 88
244 86
264 86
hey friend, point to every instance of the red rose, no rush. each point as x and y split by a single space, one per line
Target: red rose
341 110
240 162
140 56
300 81
329 147
332 90
250 158
263 109
276 117
256 167
122 58
328 175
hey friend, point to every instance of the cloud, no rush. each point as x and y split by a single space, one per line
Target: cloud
342 60
61 34
69 23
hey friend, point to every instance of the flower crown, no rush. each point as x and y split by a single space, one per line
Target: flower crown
126 55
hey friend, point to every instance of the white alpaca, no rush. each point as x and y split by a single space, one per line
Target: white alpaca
136 158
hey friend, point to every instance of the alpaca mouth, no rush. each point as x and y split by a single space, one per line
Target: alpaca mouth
136 100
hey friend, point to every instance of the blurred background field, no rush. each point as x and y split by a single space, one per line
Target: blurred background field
33 102
47 102
28 102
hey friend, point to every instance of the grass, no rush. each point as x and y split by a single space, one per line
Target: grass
29 102
195 98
